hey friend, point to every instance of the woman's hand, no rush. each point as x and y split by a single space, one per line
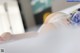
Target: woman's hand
5 36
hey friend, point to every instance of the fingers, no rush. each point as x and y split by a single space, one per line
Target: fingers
5 36
1 39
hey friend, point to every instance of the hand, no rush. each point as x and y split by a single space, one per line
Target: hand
5 36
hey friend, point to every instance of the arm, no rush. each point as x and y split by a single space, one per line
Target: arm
47 26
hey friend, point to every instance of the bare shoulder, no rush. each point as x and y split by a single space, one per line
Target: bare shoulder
53 15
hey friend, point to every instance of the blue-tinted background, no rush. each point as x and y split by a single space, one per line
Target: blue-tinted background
73 0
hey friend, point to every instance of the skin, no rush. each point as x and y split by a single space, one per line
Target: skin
47 27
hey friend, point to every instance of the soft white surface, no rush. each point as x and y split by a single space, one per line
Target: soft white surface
61 40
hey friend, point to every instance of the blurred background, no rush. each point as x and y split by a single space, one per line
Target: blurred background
19 16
